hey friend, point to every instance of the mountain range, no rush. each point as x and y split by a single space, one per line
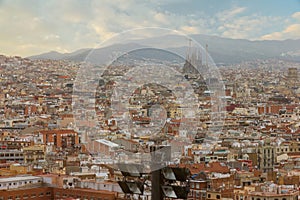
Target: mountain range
221 50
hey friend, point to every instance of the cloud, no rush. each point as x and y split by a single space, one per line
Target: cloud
71 25
229 14
234 23
296 15
161 18
32 27
189 29
290 31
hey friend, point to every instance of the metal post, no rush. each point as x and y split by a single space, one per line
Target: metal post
156 191
156 176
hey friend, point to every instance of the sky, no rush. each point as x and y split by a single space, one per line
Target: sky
35 26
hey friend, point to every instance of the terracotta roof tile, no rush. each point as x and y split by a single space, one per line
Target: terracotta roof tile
209 168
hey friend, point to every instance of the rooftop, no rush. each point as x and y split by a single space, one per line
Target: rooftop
18 178
108 143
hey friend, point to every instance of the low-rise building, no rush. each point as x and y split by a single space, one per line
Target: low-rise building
18 182
34 154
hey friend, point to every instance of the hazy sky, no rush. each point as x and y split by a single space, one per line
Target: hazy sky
31 27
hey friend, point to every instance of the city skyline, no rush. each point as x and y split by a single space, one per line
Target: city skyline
149 100
30 28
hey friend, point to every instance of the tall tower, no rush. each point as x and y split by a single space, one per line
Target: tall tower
193 60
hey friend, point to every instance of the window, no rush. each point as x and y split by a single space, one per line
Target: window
208 195
192 185
218 196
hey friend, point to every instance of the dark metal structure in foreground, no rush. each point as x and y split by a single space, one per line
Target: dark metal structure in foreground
166 181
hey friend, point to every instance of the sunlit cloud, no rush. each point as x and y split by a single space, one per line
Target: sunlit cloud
291 31
33 27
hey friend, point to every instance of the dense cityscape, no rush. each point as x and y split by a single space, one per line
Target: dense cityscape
44 155
150 100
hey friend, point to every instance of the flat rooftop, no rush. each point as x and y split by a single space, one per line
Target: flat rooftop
108 143
18 178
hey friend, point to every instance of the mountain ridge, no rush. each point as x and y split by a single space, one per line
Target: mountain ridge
222 50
